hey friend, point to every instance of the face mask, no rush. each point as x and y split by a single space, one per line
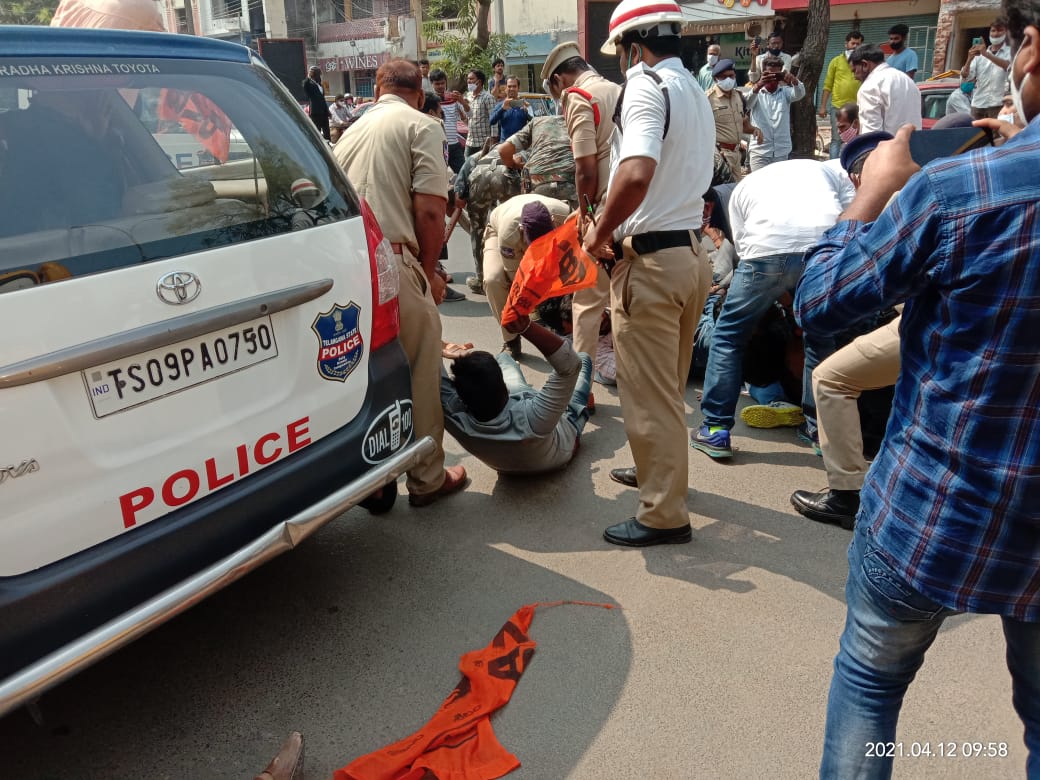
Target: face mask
775 52
772 87
1016 93
727 84
712 59
848 134
997 40
967 87
471 88
848 53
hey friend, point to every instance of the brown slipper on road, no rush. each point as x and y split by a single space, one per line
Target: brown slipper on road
455 479
288 764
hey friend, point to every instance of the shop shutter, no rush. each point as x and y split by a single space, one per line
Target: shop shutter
921 39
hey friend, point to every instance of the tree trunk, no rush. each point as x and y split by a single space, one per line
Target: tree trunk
483 31
803 113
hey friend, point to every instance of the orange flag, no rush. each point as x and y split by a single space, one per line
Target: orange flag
201 117
458 742
553 265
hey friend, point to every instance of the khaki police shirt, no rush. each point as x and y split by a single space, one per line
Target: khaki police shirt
728 111
504 221
392 153
587 137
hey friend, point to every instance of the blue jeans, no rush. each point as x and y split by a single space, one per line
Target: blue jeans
702 336
577 413
756 284
888 629
767 394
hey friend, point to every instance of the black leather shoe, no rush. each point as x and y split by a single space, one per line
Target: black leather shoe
632 533
625 476
837 507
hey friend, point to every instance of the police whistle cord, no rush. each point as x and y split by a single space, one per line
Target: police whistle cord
458 741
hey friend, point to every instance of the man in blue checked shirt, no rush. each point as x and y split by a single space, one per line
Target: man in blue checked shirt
950 512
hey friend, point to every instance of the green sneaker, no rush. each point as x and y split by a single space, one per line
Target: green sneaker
778 414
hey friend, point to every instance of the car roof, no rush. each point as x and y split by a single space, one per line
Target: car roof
32 41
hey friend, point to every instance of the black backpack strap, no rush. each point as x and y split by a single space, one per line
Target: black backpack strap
664 91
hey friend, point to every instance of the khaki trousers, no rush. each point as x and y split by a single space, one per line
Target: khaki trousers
867 363
656 300
499 272
732 158
587 314
421 338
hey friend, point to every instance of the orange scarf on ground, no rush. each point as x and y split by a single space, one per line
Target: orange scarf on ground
458 742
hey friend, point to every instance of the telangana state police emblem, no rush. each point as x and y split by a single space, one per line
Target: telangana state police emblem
340 345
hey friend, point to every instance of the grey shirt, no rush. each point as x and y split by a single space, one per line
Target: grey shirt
530 435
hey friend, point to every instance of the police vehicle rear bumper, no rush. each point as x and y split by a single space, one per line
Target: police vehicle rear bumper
59 619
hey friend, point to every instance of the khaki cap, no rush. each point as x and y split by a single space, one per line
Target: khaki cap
558 56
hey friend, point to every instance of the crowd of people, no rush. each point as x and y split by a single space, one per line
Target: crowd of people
874 274
804 281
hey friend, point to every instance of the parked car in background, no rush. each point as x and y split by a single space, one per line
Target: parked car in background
934 95
199 363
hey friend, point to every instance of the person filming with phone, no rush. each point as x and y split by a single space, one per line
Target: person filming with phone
987 67
511 113
947 520
770 109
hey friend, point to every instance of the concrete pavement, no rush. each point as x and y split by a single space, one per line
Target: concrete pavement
716 665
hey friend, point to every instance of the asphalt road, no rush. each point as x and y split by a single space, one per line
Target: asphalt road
715 665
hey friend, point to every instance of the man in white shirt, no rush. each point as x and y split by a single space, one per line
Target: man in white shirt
662 158
770 109
959 101
774 48
888 99
771 231
987 66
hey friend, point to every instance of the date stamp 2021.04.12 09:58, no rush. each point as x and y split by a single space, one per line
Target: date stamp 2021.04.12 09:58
941 749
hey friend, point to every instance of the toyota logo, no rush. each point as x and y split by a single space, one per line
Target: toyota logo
178 287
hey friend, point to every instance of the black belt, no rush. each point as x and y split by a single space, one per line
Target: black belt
656 240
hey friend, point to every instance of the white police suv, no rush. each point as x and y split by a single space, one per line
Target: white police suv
199 363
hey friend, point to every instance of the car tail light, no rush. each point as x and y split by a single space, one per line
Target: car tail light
386 316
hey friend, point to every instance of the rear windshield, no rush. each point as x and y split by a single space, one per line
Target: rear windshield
108 162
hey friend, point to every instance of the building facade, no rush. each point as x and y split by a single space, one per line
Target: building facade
959 22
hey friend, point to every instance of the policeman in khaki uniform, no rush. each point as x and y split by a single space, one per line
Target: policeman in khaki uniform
731 116
504 247
661 164
395 160
588 102
482 183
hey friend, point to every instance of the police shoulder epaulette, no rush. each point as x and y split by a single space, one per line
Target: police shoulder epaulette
588 97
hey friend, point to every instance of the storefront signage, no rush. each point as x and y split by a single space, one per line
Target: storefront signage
353 62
